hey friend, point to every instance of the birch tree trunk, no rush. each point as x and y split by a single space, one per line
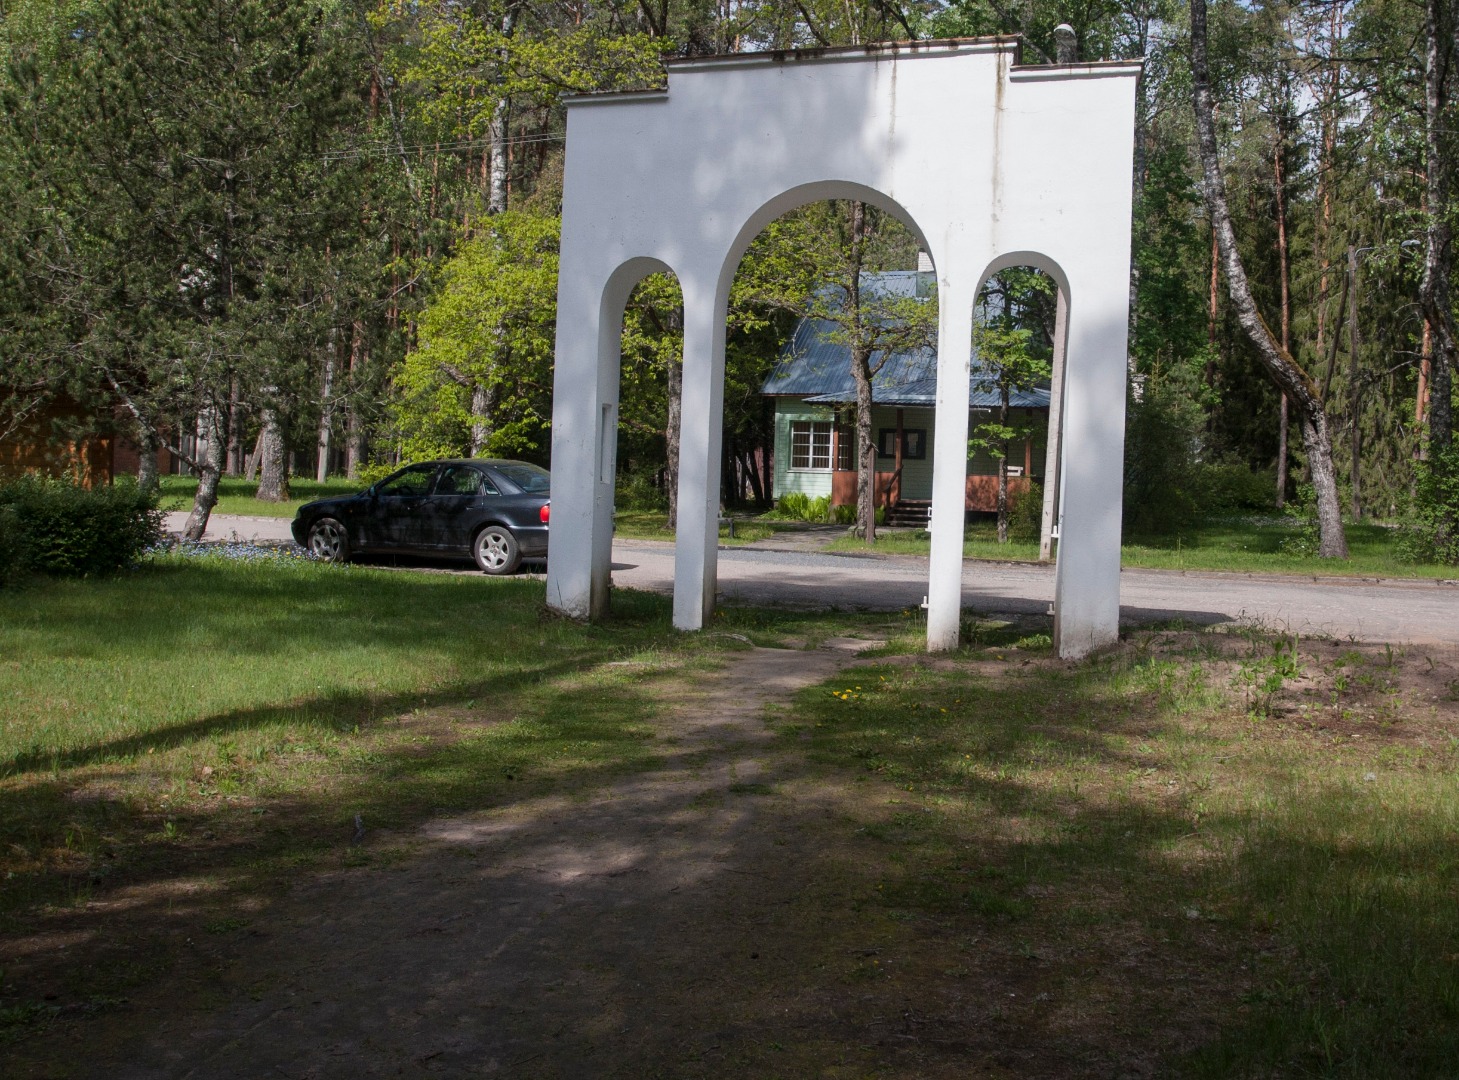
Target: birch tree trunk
1434 297
1278 362
482 400
209 465
324 444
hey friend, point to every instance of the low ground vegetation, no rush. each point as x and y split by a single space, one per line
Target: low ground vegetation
1243 838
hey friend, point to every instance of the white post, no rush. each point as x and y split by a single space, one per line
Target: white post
584 442
1052 450
1087 574
696 544
949 467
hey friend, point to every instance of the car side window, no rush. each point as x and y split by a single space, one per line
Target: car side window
464 480
414 481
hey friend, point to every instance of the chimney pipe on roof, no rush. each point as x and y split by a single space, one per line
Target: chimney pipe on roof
1067 43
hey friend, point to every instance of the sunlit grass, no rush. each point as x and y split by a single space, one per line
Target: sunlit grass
1237 545
237 496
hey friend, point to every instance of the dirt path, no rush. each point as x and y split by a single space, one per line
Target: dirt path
561 937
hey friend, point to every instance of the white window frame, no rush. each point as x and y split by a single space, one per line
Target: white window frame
810 445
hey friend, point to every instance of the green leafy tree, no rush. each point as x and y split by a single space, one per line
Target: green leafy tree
480 381
1013 344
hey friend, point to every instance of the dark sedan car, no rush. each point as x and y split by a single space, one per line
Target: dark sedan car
495 511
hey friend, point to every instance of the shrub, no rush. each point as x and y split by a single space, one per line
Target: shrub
1233 486
1161 445
637 490
1431 533
61 528
1025 515
14 559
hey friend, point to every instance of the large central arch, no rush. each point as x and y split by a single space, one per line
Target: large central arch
991 162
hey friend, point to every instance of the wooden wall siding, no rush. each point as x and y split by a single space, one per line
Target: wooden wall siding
35 449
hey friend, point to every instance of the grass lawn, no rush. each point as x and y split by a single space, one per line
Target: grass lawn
1239 545
654 525
1219 854
236 496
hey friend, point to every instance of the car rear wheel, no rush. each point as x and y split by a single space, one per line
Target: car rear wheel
329 541
496 550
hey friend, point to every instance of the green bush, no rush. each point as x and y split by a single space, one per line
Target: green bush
636 490
1025 515
58 527
14 559
1431 534
1233 486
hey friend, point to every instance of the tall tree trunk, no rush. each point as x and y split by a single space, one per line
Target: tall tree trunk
671 438
483 399
324 443
209 466
273 474
1284 371
1355 401
1439 58
147 446
234 463
1284 266
861 372
354 451
1003 465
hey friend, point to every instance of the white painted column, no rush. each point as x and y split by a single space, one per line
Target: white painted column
576 413
1053 457
949 466
1087 577
696 544
605 444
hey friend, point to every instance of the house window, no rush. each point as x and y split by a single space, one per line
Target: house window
810 445
845 447
914 443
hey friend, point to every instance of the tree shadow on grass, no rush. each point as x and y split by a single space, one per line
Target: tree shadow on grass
1004 887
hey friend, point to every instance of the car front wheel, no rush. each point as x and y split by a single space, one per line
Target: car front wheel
496 550
329 541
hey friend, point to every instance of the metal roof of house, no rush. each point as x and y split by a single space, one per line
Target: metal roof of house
817 368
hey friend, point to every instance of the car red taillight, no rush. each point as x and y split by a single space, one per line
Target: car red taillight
545 512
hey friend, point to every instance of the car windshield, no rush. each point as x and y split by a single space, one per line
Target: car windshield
530 479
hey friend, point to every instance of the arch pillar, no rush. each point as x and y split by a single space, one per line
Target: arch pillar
1091 489
701 425
585 386
956 295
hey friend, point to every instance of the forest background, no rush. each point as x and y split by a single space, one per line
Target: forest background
322 234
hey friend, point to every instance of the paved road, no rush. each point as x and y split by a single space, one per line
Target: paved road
1388 610
1398 611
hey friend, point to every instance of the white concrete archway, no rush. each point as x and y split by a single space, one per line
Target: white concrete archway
988 159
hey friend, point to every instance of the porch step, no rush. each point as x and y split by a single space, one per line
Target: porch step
909 514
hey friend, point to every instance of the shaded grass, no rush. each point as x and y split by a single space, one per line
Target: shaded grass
1279 895
182 739
238 496
1240 545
